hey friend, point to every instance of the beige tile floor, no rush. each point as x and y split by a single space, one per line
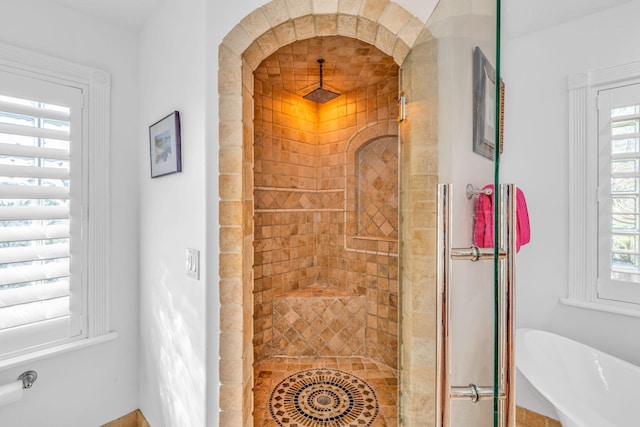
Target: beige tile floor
527 418
382 379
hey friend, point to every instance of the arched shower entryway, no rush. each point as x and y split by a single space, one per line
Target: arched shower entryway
392 30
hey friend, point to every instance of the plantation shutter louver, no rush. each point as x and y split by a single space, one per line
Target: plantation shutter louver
40 211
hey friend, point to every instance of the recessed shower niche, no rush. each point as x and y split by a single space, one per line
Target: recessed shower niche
326 211
376 190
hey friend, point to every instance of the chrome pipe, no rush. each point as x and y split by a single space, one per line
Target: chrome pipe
510 313
472 392
506 312
443 276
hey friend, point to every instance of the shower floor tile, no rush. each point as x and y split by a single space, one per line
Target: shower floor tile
382 379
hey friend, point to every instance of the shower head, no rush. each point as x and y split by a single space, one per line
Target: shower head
321 95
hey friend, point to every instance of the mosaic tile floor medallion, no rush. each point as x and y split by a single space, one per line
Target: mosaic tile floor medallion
323 398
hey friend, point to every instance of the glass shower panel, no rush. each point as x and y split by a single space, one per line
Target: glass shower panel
447 136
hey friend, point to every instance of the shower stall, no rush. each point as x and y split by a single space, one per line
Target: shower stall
326 282
365 298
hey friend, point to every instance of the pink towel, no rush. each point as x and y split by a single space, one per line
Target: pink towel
483 230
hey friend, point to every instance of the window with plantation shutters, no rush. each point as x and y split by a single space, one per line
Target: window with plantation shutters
41 218
619 193
604 190
54 206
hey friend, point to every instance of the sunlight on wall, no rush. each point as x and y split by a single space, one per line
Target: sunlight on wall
181 372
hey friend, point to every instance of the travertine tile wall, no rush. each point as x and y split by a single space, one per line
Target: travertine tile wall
284 201
285 144
364 266
418 208
300 155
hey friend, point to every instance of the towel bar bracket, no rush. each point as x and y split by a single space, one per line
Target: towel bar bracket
504 279
472 191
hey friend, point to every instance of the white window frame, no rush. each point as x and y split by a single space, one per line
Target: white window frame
96 87
621 96
582 286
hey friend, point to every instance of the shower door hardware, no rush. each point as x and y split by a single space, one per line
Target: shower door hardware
402 105
475 253
472 392
504 390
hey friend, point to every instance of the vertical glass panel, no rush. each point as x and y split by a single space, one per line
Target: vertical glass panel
449 135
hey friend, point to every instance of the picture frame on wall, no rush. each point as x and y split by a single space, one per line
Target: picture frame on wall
165 146
484 107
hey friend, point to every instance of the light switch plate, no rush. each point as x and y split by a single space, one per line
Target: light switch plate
193 263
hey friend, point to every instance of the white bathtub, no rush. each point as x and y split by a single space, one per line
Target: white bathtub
588 388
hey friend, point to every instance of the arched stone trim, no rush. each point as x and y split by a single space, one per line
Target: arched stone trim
381 23
373 131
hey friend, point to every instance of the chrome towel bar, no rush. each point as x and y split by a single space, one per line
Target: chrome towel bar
504 390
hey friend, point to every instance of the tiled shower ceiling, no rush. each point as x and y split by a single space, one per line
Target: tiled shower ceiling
349 64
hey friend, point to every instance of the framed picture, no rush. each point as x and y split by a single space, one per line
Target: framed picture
164 143
484 107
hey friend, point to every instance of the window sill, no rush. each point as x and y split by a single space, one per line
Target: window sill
54 351
624 310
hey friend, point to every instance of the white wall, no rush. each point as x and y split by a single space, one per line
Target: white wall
535 69
172 218
94 385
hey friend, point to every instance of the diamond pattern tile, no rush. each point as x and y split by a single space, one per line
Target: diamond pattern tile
319 326
377 175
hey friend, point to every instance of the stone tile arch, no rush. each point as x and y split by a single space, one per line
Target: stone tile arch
381 23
